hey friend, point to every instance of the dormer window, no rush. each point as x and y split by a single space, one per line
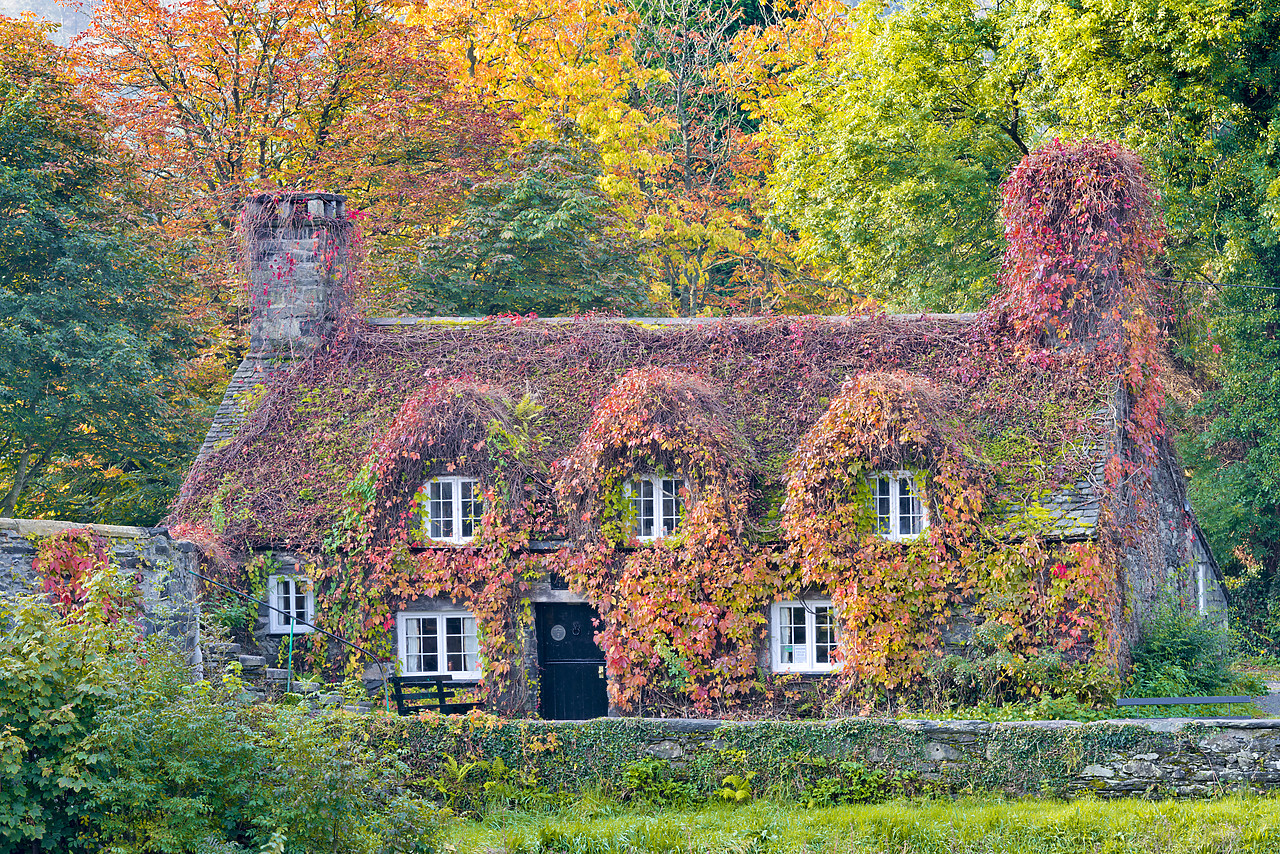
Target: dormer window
655 504
895 500
451 509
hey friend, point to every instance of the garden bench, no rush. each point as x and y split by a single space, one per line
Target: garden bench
435 693
1180 701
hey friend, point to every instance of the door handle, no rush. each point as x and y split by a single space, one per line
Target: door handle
600 671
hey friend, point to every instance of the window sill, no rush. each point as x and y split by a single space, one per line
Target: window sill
805 671
300 630
453 675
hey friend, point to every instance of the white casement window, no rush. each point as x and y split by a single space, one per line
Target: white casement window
655 504
451 509
804 636
295 595
895 501
438 643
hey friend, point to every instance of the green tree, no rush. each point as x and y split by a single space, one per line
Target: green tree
90 346
543 237
891 146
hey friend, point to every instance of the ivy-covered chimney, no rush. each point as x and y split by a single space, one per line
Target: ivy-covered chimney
295 249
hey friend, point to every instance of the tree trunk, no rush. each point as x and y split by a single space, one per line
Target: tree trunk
19 481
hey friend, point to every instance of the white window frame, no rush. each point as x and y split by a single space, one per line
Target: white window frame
658 499
277 623
895 514
456 520
404 620
809 648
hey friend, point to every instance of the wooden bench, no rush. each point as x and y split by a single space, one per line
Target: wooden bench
1181 701
435 693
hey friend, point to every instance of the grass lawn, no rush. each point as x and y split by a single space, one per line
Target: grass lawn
1030 826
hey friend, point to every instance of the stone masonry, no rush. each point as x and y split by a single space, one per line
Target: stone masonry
295 247
1173 757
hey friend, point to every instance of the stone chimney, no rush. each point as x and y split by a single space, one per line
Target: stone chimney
295 248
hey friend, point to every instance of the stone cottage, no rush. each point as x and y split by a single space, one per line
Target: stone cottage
658 515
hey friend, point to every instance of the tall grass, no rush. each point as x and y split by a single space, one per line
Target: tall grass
1238 824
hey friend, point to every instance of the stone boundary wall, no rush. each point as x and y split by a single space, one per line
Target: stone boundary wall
170 594
1173 757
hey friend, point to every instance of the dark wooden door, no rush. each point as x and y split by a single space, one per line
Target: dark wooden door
573 684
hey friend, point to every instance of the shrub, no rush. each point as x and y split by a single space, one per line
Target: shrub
107 743
185 764
1181 655
58 671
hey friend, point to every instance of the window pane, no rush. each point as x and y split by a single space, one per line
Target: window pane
421 645
670 505
284 589
824 634
472 507
643 504
440 509
461 648
792 648
884 521
910 513
470 645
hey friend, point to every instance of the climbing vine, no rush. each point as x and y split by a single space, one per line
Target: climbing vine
773 426
67 562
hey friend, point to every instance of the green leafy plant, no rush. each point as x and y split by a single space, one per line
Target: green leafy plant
59 672
1182 654
653 782
736 788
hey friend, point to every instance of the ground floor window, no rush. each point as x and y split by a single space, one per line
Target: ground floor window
804 636
294 596
438 643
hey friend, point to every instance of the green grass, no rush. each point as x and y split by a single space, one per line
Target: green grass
1241 825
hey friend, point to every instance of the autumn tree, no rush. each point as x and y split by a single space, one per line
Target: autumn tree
219 97
891 147
89 342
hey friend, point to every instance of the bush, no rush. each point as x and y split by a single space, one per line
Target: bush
58 671
187 765
106 743
1184 655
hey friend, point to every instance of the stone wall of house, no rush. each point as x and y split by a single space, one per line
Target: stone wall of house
1165 557
169 590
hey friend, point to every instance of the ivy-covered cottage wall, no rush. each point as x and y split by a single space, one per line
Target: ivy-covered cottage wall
52 558
1032 432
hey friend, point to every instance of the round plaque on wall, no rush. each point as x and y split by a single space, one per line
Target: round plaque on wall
557 633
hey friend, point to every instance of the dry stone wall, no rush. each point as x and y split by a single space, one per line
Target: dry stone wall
1147 758
1168 757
